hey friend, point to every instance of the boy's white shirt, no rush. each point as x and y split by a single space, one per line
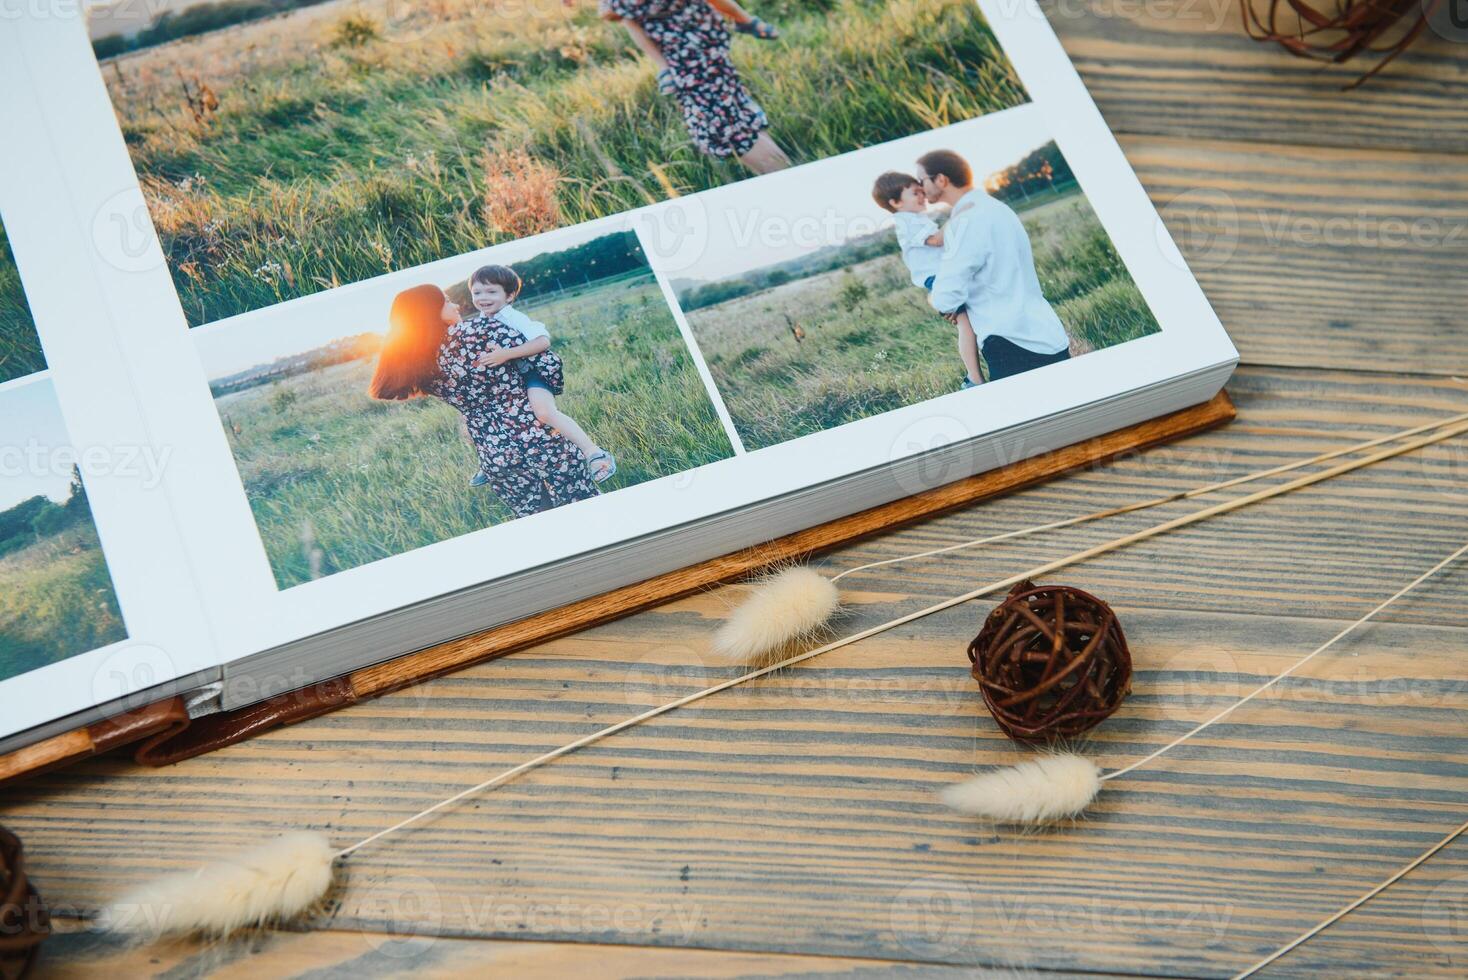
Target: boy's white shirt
988 267
913 232
515 320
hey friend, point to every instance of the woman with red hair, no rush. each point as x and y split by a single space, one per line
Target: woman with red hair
530 467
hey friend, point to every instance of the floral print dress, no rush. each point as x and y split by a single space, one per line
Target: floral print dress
722 117
530 467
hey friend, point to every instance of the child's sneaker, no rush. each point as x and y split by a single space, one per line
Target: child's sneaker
755 27
601 466
478 479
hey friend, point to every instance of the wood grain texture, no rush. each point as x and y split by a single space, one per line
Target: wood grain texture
791 822
376 956
799 813
1185 68
1321 257
796 815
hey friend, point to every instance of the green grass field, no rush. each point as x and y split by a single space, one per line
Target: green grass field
337 479
56 601
871 342
20 348
339 142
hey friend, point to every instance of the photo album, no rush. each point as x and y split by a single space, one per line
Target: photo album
334 330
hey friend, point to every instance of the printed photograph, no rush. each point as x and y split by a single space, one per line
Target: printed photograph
532 376
902 273
56 595
20 348
289 146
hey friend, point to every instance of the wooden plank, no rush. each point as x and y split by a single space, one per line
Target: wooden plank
1418 921
797 815
1185 68
1320 257
371 955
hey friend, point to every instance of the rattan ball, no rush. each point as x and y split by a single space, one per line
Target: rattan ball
24 920
1051 661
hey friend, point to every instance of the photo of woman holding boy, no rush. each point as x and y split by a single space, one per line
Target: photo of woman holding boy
456 397
430 350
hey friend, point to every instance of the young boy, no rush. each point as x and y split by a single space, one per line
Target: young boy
492 289
921 241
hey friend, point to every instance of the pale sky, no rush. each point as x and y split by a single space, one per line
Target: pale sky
33 432
786 215
305 324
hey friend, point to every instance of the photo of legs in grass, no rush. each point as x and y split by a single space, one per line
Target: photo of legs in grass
899 274
56 595
396 414
20 348
288 146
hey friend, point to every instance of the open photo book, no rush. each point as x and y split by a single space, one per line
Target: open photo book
332 331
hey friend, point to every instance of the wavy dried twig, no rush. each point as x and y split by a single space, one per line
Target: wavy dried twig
1384 28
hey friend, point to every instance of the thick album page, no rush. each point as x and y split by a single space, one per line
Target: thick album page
96 603
465 288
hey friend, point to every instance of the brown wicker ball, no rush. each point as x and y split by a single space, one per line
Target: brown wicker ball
1051 661
24 920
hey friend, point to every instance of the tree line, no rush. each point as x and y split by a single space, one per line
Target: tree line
1042 169
41 517
201 19
569 269
827 259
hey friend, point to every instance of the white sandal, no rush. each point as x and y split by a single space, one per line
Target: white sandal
593 462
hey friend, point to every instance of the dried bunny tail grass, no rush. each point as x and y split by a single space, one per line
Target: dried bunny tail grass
272 882
1039 791
1063 785
784 608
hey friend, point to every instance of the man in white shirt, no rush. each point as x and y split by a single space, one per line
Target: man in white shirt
988 268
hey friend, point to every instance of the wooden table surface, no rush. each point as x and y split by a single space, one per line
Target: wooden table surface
789 827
